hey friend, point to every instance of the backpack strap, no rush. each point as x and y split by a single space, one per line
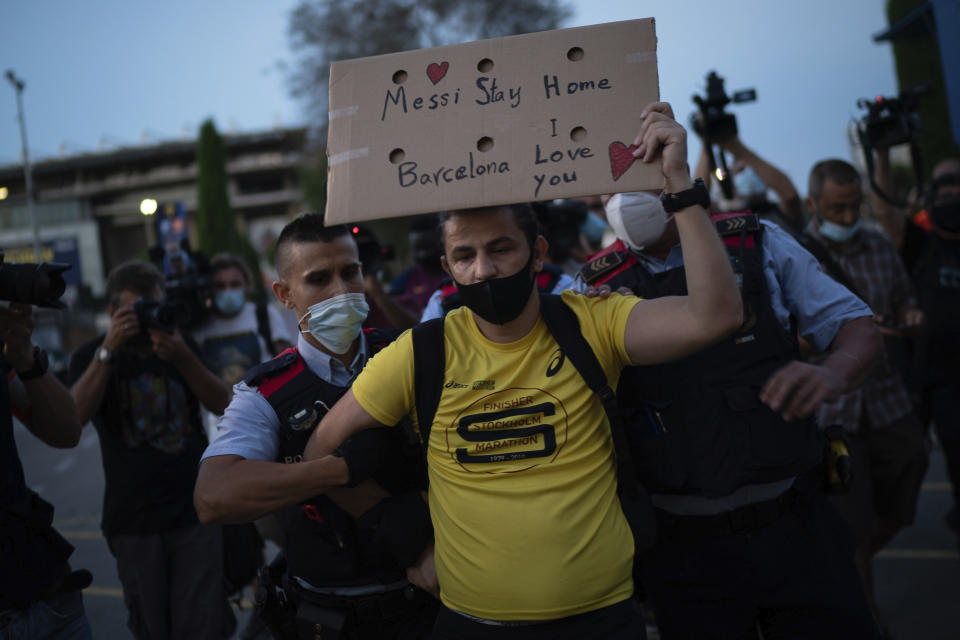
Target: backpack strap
563 325
429 361
263 325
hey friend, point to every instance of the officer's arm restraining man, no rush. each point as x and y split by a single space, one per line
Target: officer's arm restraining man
346 551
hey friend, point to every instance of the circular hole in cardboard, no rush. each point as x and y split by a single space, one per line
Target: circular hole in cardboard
484 144
485 65
397 156
400 77
578 134
575 54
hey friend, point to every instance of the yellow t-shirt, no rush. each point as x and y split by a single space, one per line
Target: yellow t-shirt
523 489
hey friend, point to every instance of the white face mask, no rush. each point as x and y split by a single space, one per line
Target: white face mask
335 322
637 217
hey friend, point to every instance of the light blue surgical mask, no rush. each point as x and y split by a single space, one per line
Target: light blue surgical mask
335 322
229 301
838 232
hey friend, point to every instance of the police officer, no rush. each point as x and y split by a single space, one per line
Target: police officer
936 273
348 551
725 440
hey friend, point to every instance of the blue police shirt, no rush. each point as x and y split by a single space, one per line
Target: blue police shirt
798 287
250 428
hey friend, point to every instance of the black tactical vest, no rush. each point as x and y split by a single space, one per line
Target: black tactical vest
697 425
324 544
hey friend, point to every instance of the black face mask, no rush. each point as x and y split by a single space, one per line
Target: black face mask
946 216
499 300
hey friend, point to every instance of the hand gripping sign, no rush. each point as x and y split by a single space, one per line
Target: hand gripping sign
517 119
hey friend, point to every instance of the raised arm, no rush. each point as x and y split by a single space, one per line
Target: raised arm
668 328
772 177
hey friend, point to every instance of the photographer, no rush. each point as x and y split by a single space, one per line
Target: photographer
39 595
142 385
887 439
930 245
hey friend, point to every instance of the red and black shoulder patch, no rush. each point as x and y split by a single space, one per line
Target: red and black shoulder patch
255 376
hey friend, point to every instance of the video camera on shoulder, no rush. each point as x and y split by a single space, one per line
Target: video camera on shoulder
30 283
714 124
189 288
889 122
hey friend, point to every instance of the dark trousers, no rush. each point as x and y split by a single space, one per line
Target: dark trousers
621 621
794 578
945 411
173 583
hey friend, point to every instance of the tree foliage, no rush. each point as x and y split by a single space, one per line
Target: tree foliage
216 223
918 61
323 31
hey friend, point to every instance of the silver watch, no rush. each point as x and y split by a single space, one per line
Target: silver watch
104 355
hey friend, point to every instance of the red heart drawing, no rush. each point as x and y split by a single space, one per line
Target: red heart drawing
436 71
621 157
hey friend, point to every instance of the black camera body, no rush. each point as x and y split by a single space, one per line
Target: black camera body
189 289
154 314
714 123
891 121
38 284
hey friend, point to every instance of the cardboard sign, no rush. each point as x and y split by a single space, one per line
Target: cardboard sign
517 119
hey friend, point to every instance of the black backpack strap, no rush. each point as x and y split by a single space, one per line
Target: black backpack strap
263 325
563 325
429 361
833 268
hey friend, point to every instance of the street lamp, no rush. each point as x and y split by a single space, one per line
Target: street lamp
148 206
18 85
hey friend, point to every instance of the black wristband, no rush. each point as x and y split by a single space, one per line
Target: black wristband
364 452
697 194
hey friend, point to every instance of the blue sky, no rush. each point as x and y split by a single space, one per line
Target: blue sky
119 71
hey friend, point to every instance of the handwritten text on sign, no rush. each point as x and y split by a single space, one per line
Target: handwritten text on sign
515 119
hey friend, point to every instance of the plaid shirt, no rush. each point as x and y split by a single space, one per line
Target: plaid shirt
872 265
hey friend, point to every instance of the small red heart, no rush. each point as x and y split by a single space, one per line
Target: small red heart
621 157
436 71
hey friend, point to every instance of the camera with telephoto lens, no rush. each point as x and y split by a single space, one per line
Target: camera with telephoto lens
189 288
891 121
154 314
712 122
38 284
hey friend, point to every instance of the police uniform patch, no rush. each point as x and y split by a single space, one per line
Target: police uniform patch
602 265
738 224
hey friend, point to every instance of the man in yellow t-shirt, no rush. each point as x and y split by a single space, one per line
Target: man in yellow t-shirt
528 528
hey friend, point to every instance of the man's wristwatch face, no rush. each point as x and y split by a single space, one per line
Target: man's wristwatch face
104 355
